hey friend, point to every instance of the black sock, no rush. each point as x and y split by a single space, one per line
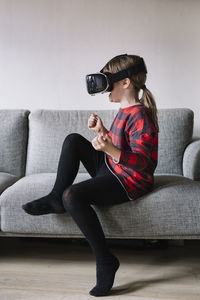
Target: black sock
105 274
46 205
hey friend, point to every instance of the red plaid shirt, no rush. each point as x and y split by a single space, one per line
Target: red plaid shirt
134 133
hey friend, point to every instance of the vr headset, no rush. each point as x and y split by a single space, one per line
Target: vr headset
103 82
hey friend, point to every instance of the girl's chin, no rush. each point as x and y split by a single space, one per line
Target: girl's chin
111 99
114 100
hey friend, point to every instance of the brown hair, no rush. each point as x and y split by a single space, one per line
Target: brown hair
122 62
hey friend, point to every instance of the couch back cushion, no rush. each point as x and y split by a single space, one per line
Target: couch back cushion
48 129
13 141
176 130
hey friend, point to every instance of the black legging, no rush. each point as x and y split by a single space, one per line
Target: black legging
102 189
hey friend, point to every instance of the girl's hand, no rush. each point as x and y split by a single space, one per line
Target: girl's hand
95 123
102 143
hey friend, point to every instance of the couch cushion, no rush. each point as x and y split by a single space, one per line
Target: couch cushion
28 188
172 208
48 129
6 180
176 129
13 137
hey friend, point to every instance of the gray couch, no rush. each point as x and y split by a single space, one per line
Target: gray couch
30 146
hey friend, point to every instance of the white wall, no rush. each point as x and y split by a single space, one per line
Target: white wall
48 46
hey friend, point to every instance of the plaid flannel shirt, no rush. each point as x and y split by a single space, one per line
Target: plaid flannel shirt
134 133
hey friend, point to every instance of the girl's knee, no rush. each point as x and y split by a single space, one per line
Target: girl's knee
66 197
70 197
72 140
72 137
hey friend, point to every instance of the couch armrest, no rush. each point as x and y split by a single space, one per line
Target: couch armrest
191 160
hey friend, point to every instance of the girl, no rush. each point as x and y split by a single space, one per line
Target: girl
121 163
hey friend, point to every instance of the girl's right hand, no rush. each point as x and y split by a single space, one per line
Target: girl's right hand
95 123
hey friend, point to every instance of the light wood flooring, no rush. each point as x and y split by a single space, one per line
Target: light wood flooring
59 269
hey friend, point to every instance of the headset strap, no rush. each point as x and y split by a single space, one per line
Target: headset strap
127 72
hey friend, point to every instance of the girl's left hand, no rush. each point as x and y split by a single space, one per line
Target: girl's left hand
102 143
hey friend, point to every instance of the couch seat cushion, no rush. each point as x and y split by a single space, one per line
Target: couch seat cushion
5 181
28 188
172 208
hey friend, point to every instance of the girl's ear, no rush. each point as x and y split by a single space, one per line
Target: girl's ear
126 82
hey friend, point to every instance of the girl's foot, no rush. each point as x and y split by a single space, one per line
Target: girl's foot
45 205
105 276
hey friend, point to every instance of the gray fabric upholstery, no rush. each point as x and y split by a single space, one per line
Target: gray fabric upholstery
48 128
172 208
28 188
191 161
47 131
6 180
13 137
176 129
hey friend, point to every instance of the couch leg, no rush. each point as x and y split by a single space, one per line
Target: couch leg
162 243
179 243
156 244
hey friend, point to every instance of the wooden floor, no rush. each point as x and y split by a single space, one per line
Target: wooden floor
59 269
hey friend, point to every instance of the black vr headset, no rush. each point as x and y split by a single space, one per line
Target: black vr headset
103 82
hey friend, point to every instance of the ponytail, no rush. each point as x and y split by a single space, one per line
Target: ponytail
149 101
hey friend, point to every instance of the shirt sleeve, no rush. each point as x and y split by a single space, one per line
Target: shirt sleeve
141 136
